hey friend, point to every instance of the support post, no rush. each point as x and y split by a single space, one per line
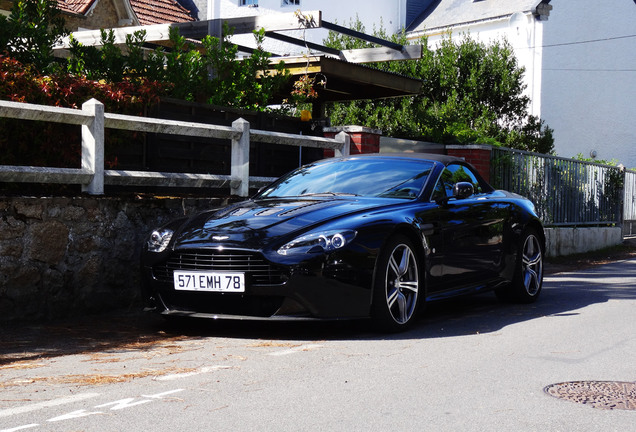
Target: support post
240 167
345 140
93 147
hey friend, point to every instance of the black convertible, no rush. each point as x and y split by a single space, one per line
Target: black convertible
359 236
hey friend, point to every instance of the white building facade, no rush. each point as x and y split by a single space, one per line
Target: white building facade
387 14
588 92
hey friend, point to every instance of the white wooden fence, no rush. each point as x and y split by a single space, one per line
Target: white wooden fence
92 175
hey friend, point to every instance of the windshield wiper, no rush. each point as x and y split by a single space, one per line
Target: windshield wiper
318 194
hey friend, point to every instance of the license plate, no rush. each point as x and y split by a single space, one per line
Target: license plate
209 281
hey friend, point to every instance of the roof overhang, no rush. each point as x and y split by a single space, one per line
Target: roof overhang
272 24
344 81
345 77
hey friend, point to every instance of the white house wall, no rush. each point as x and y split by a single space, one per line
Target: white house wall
589 78
387 14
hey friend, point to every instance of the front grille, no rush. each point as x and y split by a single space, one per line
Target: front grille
257 270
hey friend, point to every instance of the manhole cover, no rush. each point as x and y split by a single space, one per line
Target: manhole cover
608 395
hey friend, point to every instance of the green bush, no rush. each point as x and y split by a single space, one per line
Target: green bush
209 73
471 93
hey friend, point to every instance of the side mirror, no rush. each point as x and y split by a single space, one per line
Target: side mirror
463 190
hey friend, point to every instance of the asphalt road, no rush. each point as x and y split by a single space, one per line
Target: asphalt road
468 365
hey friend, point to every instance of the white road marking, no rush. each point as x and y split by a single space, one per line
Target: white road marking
29 426
123 403
160 395
294 350
115 405
74 415
46 404
203 370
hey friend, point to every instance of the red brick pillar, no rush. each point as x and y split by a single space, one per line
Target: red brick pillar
477 155
363 139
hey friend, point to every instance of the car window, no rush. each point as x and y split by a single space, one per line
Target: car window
451 175
387 178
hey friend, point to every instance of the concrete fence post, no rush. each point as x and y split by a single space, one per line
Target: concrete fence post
93 147
345 140
240 159
623 200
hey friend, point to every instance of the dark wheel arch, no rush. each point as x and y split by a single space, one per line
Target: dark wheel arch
527 281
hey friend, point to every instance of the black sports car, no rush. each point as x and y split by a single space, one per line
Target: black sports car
358 236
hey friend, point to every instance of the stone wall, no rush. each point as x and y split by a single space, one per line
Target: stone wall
103 15
64 256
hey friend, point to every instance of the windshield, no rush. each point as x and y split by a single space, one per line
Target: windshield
390 178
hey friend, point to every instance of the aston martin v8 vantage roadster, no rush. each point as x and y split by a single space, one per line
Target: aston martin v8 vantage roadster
359 236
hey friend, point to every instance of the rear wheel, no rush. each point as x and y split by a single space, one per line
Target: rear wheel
527 282
396 291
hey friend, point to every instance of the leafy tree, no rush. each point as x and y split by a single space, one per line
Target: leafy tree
31 31
471 93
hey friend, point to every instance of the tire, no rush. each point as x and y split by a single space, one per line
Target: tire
527 281
396 290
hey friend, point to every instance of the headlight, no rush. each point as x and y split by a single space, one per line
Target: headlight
319 242
159 239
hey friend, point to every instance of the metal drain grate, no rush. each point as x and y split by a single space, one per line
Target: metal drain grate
609 395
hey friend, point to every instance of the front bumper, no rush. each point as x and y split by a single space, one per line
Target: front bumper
325 287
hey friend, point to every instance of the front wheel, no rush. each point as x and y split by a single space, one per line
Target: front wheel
527 282
396 290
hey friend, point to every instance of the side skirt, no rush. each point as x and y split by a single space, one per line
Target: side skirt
466 290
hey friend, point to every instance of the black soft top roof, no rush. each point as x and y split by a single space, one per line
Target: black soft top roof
444 159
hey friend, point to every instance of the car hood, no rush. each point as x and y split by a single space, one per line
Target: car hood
255 223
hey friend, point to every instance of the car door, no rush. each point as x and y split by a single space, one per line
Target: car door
469 231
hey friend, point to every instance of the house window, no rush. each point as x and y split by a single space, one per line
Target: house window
248 2
293 2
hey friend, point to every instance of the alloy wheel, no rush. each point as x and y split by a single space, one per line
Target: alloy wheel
402 284
532 265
